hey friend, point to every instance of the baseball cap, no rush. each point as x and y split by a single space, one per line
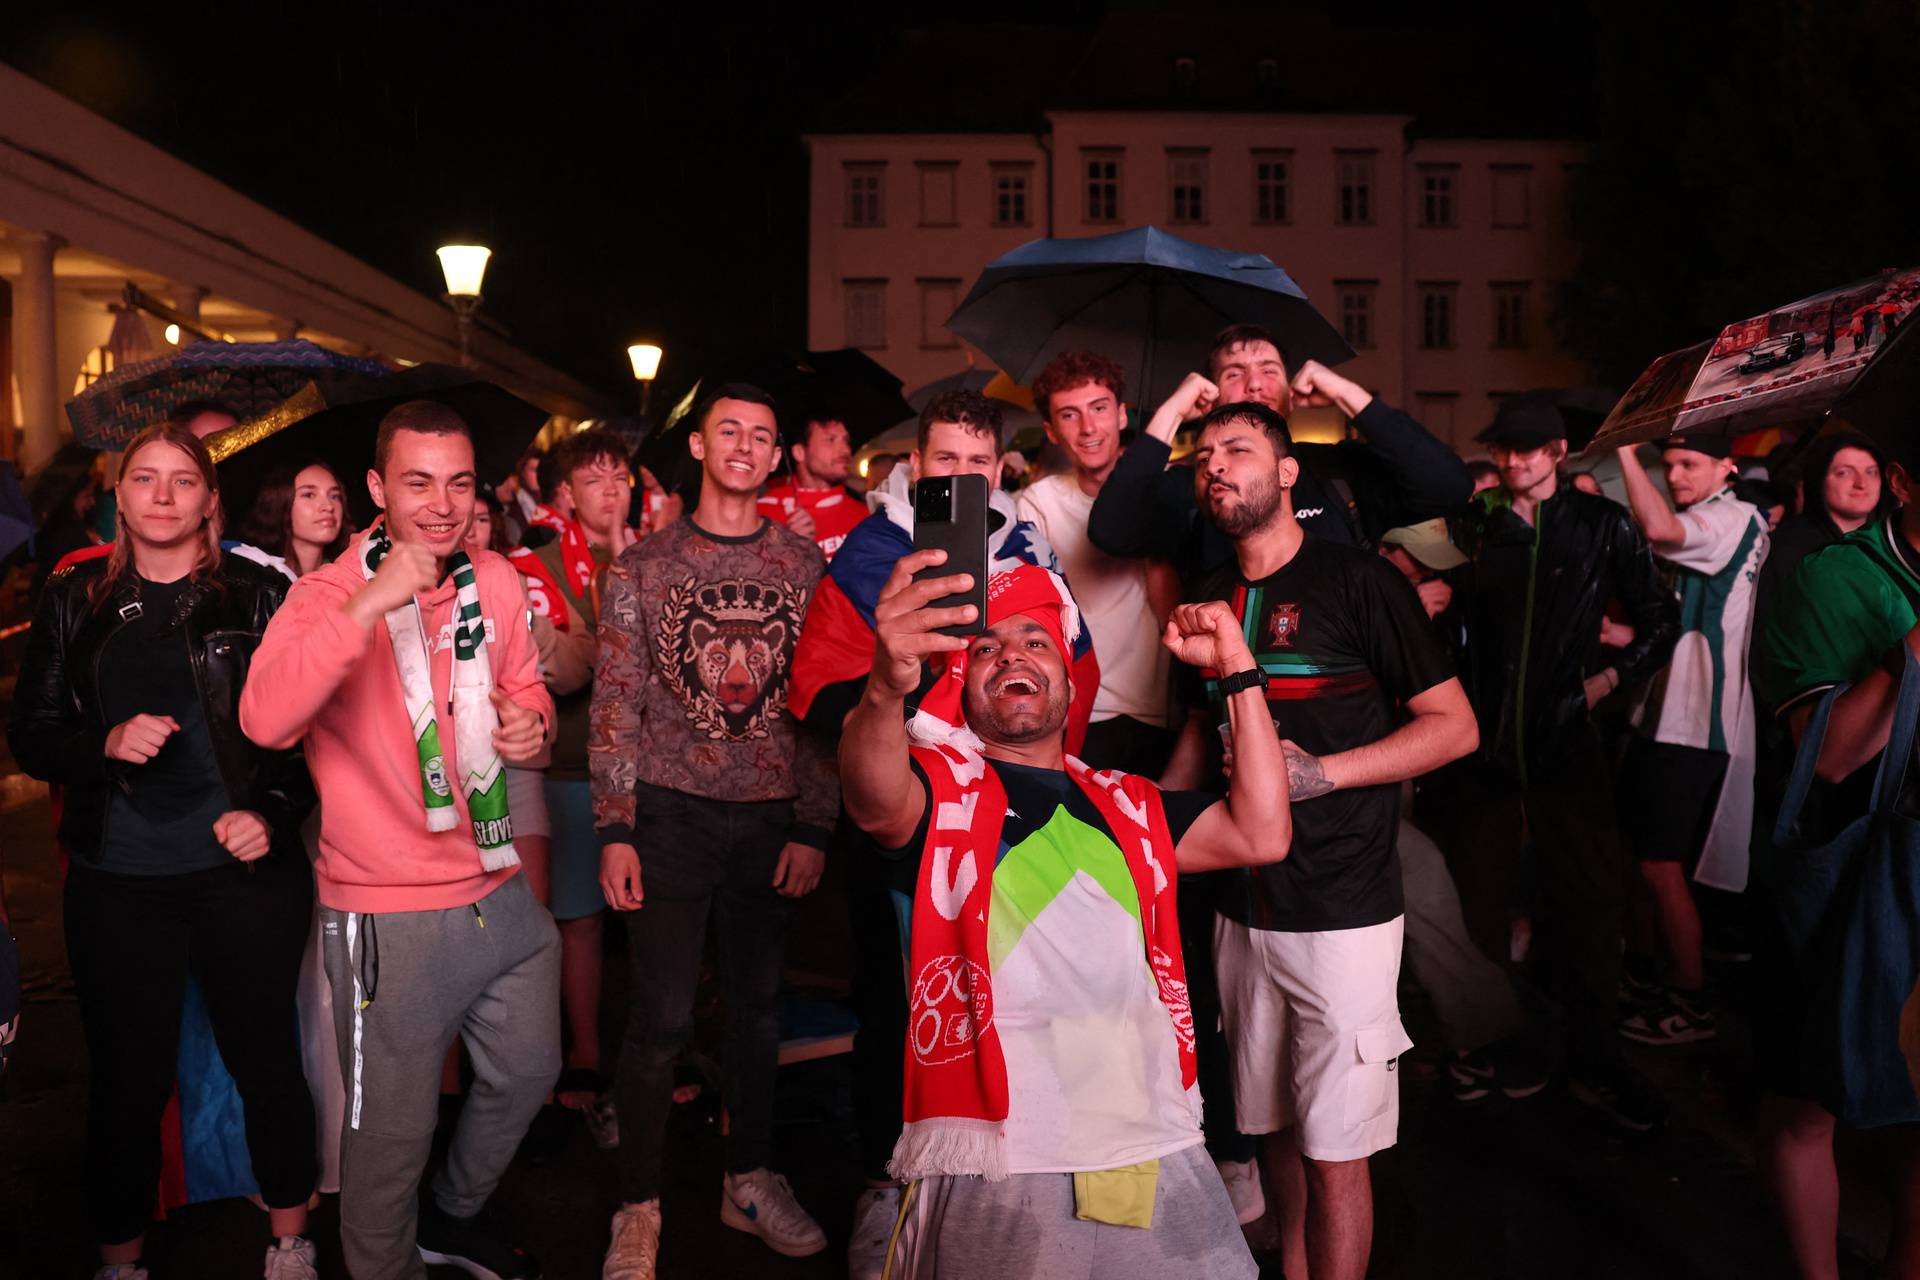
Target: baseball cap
1428 543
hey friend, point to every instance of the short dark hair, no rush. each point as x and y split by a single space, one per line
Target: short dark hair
744 391
585 448
426 417
1071 368
971 410
804 436
1239 335
1253 411
183 414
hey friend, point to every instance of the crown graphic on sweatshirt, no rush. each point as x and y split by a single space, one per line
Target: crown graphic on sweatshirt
735 600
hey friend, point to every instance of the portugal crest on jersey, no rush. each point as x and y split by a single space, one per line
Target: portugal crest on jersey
1283 624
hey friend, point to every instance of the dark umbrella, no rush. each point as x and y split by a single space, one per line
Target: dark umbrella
845 384
337 425
250 377
1884 401
1148 300
16 516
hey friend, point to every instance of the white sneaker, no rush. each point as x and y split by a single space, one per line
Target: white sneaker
120 1271
875 1214
760 1201
635 1249
295 1261
1242 1179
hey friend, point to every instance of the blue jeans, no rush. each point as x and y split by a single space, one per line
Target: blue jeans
696 856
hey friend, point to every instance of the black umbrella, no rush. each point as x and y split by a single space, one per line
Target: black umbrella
844 384
337 425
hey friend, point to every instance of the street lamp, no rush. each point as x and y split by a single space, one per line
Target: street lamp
646 364
464 265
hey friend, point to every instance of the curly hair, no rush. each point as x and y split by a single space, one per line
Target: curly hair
1070 369
969 409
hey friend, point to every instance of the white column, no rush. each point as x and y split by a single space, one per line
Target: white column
36 361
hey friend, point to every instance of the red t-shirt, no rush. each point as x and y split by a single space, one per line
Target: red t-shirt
835 511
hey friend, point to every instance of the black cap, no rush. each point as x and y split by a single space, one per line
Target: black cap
1715 444
1525 422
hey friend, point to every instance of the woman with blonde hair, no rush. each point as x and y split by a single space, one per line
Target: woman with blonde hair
183 837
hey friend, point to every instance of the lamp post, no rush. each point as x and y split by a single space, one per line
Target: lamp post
464 265
646 365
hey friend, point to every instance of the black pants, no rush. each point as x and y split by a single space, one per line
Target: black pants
1483 820
699 856
879 998
131 941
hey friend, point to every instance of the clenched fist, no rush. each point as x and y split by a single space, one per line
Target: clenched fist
1207 635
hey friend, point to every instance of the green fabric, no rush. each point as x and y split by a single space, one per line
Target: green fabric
1122 1197
1844 608
1033 872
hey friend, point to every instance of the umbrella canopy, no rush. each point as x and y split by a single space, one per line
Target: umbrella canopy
1016 410
1884 401
16 516
1145 299
336 423
1791 364
251 377
845 383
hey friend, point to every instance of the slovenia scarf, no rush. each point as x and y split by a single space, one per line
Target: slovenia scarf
484 779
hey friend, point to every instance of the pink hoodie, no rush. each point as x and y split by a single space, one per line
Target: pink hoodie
320 677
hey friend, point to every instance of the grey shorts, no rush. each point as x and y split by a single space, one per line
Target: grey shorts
971 1229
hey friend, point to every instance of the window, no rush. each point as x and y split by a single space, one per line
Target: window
1271 170
1103 185
1510 314
1186 73
936 192
1435 411
1436 195
1187 176
1356 311
867 314
864 205
1436 314
1510 184
1011 184
1266 74
938 298
1354 172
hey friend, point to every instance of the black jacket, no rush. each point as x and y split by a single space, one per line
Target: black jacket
59 734
1350 492
1528 651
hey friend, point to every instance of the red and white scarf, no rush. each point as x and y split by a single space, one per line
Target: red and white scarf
576 563
956 1075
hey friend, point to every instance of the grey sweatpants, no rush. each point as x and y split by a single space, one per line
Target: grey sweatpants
1472 996
1023 1226
404 985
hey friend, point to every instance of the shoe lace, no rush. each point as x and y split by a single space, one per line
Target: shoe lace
636 1235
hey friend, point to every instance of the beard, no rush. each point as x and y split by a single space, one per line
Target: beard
1018 728
1257 504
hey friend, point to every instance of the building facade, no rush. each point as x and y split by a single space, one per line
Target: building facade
87 209
1436 257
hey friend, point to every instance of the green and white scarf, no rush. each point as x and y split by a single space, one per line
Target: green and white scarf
484 777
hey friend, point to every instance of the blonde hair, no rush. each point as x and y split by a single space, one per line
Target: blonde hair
120 561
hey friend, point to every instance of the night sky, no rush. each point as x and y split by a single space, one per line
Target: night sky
635 175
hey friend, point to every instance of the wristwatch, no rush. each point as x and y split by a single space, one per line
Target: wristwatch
1251 678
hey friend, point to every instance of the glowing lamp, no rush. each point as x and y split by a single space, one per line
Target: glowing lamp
464 266
646 360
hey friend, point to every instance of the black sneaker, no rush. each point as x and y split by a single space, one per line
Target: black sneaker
446 1241
1675 1019
1509 1067
1623 1096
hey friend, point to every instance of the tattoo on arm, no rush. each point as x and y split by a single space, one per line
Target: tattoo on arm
1305 778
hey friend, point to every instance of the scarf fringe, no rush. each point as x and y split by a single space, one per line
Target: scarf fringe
442 818
499 859
949 1146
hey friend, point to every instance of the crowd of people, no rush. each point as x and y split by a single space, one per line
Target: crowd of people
1133 862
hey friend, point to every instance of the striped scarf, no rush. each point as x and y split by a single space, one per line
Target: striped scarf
484 776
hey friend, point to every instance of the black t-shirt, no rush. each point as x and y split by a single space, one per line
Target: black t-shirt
161 823
1033 795
1343 641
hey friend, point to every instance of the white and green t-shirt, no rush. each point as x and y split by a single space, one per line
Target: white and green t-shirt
1093 1069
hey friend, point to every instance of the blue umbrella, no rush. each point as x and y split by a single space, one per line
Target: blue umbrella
1145 299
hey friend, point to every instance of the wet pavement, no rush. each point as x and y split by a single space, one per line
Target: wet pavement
1540 1188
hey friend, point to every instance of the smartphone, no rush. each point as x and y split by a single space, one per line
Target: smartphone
950 512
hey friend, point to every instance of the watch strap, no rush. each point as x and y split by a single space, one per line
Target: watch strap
1252 678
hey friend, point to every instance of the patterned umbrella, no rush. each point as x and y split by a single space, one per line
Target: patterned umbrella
251 377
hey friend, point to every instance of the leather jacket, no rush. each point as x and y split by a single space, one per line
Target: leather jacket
58 731
1532 599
